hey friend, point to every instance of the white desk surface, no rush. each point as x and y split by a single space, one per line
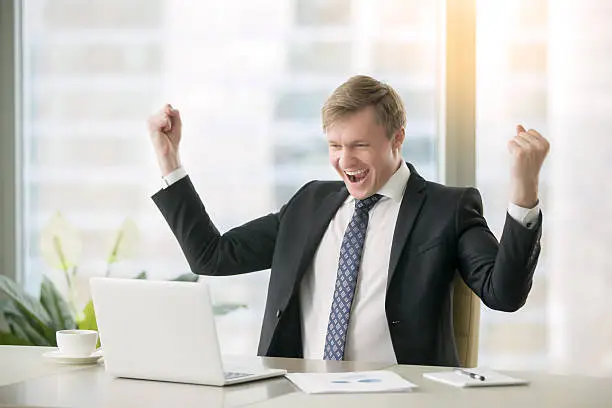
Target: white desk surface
26 379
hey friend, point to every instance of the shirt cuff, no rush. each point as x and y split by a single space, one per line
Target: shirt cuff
173 177
527 217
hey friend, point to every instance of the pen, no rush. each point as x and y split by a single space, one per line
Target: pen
470 374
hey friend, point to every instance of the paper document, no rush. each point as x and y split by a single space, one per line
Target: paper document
350 382
461 378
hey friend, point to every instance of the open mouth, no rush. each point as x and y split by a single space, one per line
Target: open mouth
356 176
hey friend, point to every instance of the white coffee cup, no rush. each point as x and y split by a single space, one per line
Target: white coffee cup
76 343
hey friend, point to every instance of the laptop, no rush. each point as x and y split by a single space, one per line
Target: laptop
164 331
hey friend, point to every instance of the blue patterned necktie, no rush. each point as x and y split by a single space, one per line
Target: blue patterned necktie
346 279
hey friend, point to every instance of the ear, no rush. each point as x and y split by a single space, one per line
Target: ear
398 139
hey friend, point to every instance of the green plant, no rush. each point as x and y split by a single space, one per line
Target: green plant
34 321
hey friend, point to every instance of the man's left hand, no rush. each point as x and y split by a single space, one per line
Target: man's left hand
528 150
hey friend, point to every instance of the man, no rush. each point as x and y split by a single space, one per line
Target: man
362 269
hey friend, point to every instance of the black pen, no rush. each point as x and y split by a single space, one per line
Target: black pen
470 374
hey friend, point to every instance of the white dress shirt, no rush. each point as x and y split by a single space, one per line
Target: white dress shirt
368 337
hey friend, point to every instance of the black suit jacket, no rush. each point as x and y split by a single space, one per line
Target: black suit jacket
439 231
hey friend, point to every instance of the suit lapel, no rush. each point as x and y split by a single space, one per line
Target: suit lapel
323 216
413 199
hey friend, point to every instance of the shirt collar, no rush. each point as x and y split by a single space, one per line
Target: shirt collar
394 187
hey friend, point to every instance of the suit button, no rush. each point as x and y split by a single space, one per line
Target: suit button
278 313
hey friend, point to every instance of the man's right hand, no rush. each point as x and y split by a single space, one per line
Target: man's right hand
165 131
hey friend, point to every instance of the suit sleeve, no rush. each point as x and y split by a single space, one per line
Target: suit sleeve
243 249
500 273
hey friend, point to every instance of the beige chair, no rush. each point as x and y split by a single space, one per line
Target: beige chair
466 322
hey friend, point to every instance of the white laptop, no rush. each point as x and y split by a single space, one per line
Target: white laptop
165 331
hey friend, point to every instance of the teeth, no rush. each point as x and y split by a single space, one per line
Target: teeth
354 172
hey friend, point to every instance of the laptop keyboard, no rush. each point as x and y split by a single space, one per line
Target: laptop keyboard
233 375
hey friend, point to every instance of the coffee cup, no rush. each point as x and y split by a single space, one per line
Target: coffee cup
76 343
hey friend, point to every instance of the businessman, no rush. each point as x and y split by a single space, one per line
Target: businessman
362 268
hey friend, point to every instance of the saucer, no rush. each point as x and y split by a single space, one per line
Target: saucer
60 358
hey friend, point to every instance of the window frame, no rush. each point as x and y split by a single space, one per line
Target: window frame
11 252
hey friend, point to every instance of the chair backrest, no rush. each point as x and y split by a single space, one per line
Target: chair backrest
466 322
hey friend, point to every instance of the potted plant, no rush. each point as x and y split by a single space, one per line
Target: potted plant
34 321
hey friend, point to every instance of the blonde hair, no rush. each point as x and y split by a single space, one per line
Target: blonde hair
359 92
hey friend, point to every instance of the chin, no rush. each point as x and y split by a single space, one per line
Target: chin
360 195
358 192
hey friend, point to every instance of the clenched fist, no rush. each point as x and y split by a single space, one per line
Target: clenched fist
165 131
528 150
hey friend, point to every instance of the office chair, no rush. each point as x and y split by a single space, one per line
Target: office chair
466 322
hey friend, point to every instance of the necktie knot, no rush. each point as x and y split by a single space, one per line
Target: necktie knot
366 204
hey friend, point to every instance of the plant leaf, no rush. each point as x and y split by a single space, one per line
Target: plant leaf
56 306
125 242
17 330
60 243
141 275
22 328
3 304
27 304
225 308
10 339
187 277
89 321
27 308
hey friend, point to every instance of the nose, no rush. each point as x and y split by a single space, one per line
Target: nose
346 158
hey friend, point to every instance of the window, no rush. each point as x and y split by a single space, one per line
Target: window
532 70
249 79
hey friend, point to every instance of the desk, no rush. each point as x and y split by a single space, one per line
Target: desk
26 379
